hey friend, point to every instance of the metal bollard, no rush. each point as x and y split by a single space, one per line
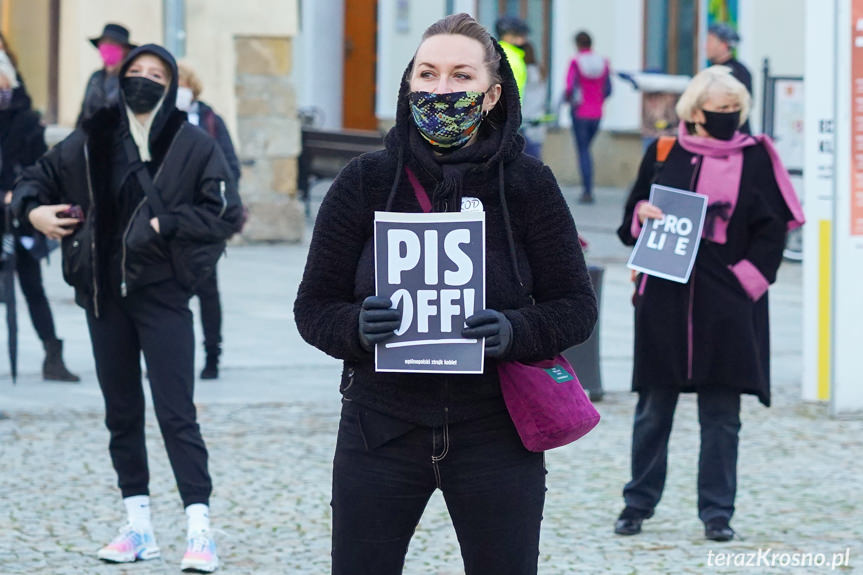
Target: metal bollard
585 357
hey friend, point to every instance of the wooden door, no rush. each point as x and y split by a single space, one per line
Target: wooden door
358 92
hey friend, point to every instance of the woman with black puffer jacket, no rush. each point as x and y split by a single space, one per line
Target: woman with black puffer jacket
143 203
404 435
22 143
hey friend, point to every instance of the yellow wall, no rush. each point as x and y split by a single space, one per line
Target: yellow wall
211 26
31 49
83 19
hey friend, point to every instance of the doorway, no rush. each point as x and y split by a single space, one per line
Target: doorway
360 86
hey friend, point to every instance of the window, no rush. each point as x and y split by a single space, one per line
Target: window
671 36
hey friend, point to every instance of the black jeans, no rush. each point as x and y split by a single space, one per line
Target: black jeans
30 277
385 470
155 320
211 313
719 416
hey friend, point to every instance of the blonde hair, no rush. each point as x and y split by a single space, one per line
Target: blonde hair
187 74
712 80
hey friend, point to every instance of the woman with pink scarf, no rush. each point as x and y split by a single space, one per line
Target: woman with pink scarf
710 335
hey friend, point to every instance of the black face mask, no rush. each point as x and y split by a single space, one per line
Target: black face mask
721 125
142 94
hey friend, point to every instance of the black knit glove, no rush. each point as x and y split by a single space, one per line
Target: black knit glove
378 321
494 327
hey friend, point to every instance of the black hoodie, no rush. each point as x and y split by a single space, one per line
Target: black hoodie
339 272
116 249
22 137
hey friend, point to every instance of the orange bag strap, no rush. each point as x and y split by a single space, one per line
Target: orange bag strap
663 147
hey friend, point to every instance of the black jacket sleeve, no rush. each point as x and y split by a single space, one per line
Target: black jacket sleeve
325 310
40 184
640 191
223 137
216 212
34 145
565 311
767 219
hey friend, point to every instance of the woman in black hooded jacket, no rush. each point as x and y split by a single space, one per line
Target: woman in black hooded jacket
403 435
156 204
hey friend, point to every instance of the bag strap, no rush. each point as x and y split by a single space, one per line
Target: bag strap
143 176
419 191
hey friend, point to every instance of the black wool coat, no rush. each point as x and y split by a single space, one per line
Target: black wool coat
709 331
339 273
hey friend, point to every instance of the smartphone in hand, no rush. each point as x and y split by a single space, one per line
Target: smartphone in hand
73 213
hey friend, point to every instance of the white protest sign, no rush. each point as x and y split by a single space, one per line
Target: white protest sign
667 247
432 267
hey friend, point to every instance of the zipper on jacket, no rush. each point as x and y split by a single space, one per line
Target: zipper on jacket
124 290
92 235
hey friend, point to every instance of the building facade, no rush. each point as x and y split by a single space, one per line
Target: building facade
243 52
354 83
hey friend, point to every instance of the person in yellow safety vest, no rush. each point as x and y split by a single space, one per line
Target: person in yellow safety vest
512 35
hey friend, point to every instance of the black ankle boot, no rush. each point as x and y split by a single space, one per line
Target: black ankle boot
630 519
211 367
53 368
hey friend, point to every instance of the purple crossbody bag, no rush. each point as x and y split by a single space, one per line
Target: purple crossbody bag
545 400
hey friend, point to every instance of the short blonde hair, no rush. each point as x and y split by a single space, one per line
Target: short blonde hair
187 74
712 80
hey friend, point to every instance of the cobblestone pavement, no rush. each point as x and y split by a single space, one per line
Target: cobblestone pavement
271 420
799 492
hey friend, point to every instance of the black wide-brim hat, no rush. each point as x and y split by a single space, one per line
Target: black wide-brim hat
117 33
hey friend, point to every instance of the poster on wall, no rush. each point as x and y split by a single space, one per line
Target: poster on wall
722 11
432 267
788 121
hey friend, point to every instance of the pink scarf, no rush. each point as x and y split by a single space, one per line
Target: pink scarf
721 170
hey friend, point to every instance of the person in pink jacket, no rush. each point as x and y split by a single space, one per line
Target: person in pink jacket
588 84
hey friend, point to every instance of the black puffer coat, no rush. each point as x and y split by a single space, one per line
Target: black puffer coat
22 139
117 245
339 272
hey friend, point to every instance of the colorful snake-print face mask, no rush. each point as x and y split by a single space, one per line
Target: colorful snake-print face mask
447 120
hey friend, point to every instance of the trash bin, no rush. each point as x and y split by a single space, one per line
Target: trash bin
585 356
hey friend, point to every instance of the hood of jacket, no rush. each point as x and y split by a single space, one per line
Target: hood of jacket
590 65
505 117
169 102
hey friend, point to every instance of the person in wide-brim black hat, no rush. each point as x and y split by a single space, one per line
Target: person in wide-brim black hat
116 33
103 88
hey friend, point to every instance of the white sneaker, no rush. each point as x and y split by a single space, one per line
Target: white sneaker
200 556
129 546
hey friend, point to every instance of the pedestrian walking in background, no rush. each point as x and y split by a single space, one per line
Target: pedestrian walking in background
722 40
22 142
710 335
404 435
155 202
588 84
533 106
103 87
203 116
512 35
